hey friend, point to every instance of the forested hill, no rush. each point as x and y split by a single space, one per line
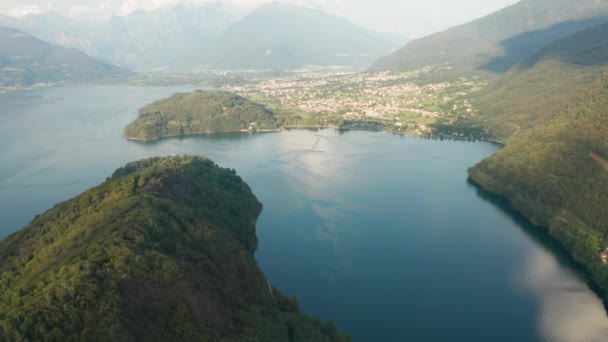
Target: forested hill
557 175
26 60
161 251
539 88
500 40
199 112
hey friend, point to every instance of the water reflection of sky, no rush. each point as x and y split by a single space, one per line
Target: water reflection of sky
569 311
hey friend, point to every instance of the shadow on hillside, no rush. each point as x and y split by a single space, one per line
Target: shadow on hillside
540 236
525 45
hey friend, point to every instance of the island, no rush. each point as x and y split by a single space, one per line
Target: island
163 250
200 112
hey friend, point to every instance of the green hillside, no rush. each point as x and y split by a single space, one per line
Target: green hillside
500 40
282 36
538 89
199 112
25 60
557 175
161 251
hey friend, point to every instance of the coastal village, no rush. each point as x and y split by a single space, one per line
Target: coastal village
408 102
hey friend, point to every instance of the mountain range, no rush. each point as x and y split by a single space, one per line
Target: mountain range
283 36
26 60
215 35
500 40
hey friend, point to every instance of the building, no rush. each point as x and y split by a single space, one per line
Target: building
604 256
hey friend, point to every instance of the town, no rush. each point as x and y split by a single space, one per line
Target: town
403 102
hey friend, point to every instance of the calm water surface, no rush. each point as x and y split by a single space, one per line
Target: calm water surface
380 233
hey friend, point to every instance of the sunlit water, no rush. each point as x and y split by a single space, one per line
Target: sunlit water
380 233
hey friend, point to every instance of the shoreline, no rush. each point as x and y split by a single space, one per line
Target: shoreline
592 282
590 276
319 127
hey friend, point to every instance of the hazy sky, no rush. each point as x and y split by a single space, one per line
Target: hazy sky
411 17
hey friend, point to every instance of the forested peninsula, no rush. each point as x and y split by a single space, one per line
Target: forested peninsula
161 251
199 112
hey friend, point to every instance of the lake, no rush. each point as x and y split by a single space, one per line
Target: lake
381 233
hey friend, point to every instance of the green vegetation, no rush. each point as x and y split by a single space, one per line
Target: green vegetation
557 175
500 40
199 112
25 61
161 251
537 90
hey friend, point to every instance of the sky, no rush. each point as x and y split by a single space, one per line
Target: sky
413 18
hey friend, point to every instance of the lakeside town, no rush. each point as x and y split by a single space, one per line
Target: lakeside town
402 102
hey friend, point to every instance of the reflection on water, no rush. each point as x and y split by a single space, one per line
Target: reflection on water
380 233
568 310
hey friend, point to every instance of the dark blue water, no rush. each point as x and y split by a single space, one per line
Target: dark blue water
380 233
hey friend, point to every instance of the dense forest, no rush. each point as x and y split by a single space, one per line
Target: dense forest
161 251
199 112
557 174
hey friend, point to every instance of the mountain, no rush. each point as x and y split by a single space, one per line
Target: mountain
199 112
185 37
538 89
177 38
26 60
161 251
283 36
557 175
500 40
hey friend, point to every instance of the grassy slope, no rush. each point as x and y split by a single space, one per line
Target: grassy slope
199 112
536 91
161 251
550 174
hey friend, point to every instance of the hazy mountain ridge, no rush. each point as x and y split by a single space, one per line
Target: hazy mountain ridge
214 36
27 60
279 36
538 89
180 36
161 251
500 40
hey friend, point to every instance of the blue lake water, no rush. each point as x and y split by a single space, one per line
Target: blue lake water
381 233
